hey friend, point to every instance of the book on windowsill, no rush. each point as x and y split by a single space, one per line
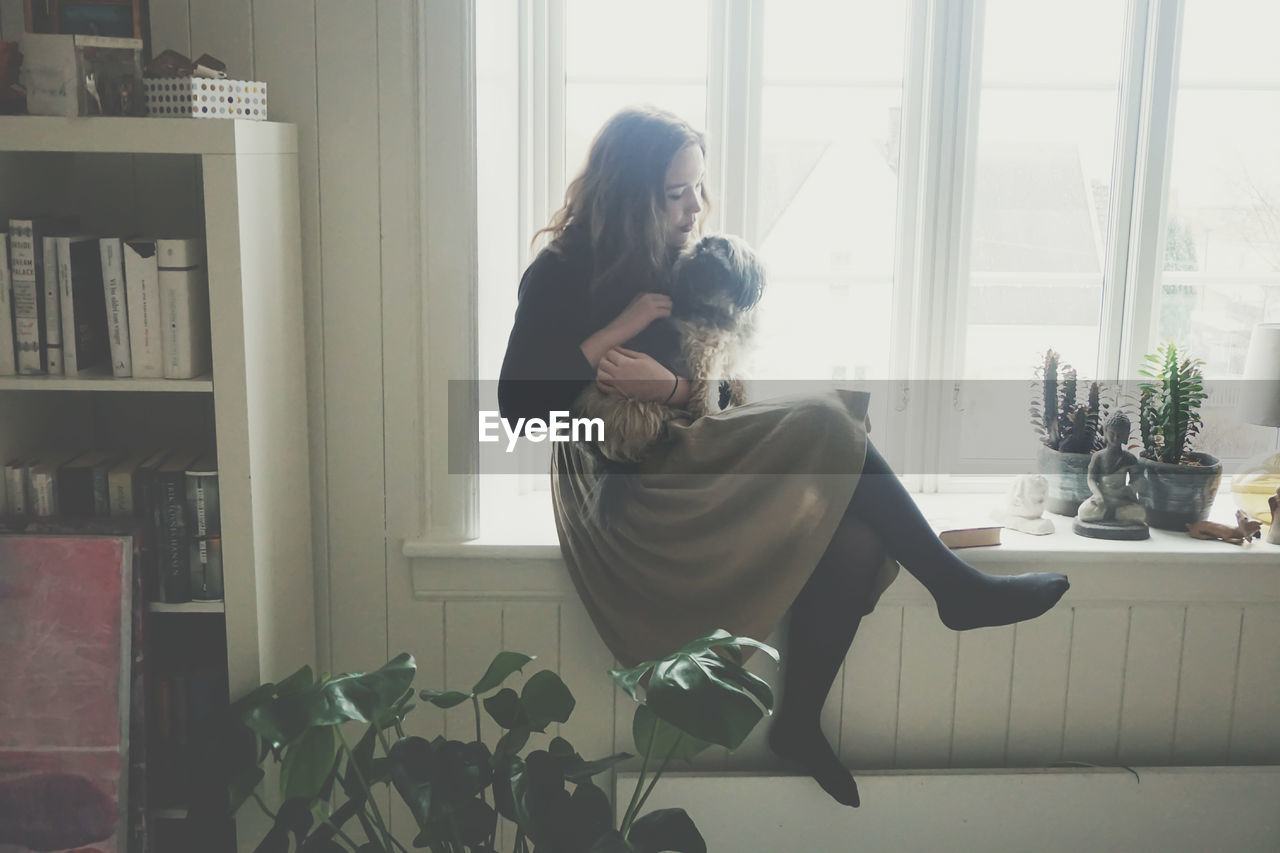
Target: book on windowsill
961 533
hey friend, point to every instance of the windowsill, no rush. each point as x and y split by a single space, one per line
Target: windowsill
523 559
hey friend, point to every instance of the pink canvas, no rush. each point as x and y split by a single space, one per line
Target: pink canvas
64 691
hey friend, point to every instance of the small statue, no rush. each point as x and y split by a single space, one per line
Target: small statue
1246 530
1113 512
1024 506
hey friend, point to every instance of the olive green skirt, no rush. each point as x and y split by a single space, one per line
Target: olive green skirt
720 528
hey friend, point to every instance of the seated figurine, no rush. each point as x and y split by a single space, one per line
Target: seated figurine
1112 474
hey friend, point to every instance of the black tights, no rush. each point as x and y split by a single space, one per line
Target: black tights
881 518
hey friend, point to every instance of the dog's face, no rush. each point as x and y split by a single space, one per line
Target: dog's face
719 280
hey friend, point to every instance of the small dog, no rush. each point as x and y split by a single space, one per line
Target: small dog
715 289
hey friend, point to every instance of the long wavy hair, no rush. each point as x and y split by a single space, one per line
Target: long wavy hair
616 203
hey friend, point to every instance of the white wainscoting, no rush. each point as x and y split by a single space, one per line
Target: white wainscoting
1163 654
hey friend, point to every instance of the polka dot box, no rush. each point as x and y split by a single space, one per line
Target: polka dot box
203 97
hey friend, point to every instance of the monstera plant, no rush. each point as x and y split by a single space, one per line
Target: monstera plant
701 695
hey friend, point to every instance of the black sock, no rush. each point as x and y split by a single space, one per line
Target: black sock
966 597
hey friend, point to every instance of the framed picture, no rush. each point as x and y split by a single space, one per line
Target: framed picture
66 614
114 18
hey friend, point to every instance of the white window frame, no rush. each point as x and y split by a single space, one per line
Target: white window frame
940 103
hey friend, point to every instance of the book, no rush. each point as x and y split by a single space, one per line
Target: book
15 485
52 308
205 523
957 533
84 313
144 508
8 366
123 485
43 474
173 566
184 307
26 278
142 297
113 290
82 485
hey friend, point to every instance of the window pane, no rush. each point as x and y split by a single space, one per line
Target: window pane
827 192
1046 136
1222 253
624 54
1039 217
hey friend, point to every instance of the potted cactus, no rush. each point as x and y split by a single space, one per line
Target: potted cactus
1178 484
1069 432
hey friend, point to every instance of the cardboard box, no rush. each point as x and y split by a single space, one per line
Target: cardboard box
69 75
205 97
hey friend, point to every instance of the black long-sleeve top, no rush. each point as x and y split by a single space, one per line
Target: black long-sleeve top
544 369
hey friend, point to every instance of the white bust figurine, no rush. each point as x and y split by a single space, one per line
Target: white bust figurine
1024 507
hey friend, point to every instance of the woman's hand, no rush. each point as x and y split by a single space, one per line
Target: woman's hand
643 310
634 319
634 374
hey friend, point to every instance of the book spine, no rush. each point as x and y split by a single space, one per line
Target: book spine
173 569
14 476
120 488
101 491
206 541
28 328
144 505
52 306
142 296
8 365
44 490
113 289
184 307
70 362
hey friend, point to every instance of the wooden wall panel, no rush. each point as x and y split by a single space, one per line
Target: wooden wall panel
1092 726
1038 698
870 723
285 57
928 687
1255 733
473 635
1206 690
983 681
1151 685
347 123
171 27
224 28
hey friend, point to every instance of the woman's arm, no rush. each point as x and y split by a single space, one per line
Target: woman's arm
641 377
634 319
544 369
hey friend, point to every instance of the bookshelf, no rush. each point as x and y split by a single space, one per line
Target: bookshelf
236 184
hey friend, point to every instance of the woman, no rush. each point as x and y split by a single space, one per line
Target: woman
709 535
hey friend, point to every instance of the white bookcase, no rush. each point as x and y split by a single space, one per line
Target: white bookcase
235 183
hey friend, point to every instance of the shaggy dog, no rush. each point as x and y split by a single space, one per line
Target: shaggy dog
714 292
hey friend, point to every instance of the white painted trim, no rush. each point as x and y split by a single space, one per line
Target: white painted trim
112 135
1123 179
450 264
1151 184
1052 809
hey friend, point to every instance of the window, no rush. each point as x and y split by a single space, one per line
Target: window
940 189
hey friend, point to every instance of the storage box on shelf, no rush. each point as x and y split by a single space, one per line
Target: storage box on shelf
124 176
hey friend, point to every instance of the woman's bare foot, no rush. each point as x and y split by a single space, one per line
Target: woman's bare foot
805 745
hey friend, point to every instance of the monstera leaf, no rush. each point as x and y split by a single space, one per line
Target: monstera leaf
705 694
